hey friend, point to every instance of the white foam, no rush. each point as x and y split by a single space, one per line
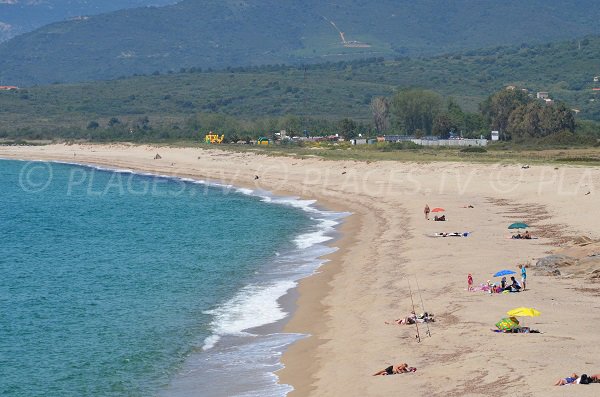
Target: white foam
247 192
210 342
321 235
253 306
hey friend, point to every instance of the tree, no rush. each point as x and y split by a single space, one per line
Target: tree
498 107
381 113
347 128
143 123
452 120
416 109
538 120
113 121
92 125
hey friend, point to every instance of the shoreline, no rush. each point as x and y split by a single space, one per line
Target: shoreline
290 302
386 242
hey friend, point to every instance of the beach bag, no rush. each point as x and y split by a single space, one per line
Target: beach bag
506 324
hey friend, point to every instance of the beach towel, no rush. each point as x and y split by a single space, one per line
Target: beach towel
453 234
507 324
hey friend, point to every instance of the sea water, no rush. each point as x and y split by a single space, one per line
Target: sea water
115 283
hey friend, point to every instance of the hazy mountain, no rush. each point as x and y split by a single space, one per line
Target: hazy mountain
20 16
221 33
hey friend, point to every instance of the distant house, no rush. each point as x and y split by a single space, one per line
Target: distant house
510 87
8 87
549 101
596 79
542 95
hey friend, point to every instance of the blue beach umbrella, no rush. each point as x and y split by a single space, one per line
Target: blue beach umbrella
504 273
518 225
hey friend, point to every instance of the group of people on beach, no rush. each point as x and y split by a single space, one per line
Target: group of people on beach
491 287
526 235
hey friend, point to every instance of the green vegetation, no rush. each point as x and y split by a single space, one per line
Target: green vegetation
221 33
367 97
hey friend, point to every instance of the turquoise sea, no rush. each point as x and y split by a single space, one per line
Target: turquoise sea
115 283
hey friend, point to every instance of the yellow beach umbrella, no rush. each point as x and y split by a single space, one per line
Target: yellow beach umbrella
523 312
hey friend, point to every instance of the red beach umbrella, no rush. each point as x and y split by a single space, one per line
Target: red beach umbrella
438 210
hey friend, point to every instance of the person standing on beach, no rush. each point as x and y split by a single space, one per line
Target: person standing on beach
427 211
469 282
523 276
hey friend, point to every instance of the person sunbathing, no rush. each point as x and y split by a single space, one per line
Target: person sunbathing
412 318
395 369
567 381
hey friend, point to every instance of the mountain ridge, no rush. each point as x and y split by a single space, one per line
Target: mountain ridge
22 16
218 34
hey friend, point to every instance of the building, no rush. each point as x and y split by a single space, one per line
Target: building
495 136
542 95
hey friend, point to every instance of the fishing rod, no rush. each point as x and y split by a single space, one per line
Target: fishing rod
414 312
423 306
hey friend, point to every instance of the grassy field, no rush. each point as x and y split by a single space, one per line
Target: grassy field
495 153
383 152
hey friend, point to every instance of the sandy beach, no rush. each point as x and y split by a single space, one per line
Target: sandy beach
386 243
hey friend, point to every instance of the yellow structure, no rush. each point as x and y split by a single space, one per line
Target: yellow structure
213 138
262 141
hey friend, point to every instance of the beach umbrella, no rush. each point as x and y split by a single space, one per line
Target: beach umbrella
523 312
438 210
504 273
518 225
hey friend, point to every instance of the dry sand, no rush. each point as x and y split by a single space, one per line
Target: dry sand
385 243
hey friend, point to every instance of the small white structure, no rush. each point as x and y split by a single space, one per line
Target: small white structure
450 142
542 95
358 141
495 136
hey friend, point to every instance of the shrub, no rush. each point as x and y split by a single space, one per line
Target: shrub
473 149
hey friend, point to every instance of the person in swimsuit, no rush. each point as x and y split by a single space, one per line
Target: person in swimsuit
567 381
427 211
397 369
469 282
523 276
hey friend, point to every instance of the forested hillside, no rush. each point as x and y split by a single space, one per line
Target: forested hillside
329 91
222 33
